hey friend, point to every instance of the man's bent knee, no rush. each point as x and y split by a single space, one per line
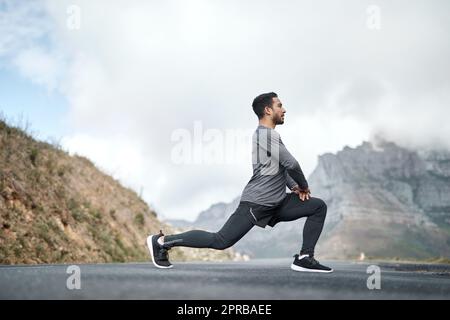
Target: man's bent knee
322 208
220 243
323 205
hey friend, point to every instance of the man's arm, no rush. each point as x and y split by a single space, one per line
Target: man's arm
293 186
293 169
290 183
270 142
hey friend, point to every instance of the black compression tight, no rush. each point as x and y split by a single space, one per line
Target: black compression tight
240 222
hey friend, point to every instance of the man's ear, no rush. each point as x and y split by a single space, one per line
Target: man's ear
267 110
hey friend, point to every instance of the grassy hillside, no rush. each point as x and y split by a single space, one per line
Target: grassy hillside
57 208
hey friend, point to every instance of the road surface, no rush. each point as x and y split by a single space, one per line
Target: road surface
253 280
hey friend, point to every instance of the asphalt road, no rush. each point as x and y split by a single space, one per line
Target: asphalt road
256 279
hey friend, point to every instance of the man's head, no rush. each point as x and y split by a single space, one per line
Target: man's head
268 107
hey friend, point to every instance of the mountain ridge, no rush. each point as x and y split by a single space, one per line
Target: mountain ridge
383 200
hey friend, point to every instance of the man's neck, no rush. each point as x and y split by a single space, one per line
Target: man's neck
267 123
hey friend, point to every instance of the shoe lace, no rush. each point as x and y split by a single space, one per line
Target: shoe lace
313 261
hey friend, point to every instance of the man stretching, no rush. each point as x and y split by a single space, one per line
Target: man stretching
264 200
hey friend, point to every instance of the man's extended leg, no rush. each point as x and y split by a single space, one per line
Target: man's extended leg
237 225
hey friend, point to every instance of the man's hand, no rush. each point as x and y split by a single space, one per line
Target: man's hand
302 193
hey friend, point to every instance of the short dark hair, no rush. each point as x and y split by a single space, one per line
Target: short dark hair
262 101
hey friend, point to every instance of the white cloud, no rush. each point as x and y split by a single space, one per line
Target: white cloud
139 70
121 157
21 24
39 66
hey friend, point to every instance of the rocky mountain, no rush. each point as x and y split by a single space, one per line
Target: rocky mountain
383 200
57 208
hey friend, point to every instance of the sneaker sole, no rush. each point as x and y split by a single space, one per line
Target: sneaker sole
301 269
150 248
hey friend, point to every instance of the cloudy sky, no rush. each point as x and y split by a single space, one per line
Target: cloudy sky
126 82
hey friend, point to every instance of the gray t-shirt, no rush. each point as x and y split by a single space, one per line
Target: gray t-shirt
274 168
